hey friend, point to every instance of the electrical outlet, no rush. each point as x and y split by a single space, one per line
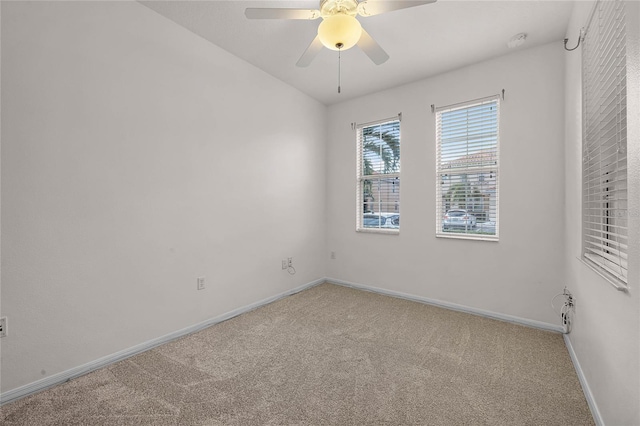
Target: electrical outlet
289 262
3 327
200 283
333 255
284 264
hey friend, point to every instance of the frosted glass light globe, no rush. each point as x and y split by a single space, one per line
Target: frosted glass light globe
339 32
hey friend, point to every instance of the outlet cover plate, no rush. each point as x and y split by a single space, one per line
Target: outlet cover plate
201 283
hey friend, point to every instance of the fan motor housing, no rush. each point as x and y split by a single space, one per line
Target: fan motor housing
333 7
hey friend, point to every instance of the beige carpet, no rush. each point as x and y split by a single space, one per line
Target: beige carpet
330 355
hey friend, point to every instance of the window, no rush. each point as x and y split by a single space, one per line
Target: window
604 143
467 170
378 175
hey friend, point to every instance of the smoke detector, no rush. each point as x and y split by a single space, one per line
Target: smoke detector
517 40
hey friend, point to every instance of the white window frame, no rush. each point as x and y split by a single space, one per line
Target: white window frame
361 177
443 169
604 144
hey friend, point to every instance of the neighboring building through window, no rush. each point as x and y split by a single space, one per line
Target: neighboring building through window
467 169
378 176
604 144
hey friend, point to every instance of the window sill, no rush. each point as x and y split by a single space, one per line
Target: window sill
378 231
618 285
454 236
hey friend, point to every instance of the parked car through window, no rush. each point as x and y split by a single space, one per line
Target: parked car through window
458 218
381 220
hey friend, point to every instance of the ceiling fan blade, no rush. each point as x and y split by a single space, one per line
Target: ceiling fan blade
312 51
372 48
279 13
371 8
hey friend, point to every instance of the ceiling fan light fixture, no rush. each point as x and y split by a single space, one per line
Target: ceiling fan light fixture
339 31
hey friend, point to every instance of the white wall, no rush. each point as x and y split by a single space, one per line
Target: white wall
136 156
517 275
606 332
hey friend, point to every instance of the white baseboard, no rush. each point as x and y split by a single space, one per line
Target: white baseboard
75 372
453 306
597 418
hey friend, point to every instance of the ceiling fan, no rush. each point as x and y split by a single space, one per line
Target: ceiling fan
339 29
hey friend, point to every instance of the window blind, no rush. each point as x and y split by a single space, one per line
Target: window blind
604 168
467 169
378 176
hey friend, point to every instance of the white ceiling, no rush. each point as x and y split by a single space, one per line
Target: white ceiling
421 41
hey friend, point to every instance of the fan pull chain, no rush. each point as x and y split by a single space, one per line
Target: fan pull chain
339 46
